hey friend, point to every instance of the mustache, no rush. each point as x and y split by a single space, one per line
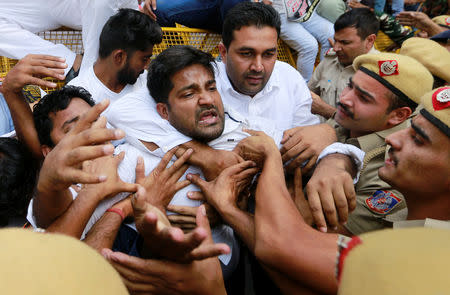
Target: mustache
206 108
392 155
346 110
255 74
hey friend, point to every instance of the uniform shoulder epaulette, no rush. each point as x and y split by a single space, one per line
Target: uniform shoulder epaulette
330 53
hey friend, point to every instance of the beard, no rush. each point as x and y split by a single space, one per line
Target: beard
127 76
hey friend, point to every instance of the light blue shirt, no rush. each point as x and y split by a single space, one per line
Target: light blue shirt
6 123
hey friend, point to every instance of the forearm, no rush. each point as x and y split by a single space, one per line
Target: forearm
242 223
23 122
325 110
49 205
104 232
283 241
73 221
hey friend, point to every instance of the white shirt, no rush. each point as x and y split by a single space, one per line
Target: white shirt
286 103
285 99
89 81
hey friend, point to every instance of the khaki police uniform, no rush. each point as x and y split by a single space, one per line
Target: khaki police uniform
411 261
375 199
331 77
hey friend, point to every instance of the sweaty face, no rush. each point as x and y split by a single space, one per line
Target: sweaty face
63 121
363 106
135 65
250 58
419 159
348 45
195 107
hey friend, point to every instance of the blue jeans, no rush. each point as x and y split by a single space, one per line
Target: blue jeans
6 123
204 14
303 37
397 6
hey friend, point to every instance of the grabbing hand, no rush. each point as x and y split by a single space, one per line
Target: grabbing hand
223 192
331 192
62 165
301 144
162 183
163 240
256 147
31 69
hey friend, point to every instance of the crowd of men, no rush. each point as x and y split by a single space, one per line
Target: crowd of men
192 175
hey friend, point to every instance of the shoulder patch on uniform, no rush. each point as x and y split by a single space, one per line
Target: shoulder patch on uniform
382 202
330 52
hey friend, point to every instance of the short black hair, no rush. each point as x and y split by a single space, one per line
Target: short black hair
362 19
168 63
18 173
129 30
52 103
247 14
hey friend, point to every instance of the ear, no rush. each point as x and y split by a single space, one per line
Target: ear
163 111
119 57
223 52
370 40
45 149
399 115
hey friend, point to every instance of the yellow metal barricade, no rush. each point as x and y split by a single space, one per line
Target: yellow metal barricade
202 39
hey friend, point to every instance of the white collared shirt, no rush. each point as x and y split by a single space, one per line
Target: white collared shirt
285 99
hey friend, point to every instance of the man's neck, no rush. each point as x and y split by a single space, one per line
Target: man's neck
421 206
102 70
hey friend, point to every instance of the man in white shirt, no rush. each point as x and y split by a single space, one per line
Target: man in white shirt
252 83
126 45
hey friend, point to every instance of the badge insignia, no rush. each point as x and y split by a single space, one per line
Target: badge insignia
382 202
447 21
441 99
388 67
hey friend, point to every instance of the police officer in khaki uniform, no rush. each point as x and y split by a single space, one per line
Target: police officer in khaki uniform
418 162
355 34
381 96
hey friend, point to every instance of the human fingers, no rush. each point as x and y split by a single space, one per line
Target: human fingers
149 6
310 164
165 160
78 176
181 184
97 136
181 219
236 169
196 195
349 190
316 208
341 205
140 170
195 179
329 208
179 164
184 210
79 154
90 116
127 187
209 251
289 151
100 123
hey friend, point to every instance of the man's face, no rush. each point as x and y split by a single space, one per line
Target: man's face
250 58
363 106
135 65
419 159
348 45
63 121
194 106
